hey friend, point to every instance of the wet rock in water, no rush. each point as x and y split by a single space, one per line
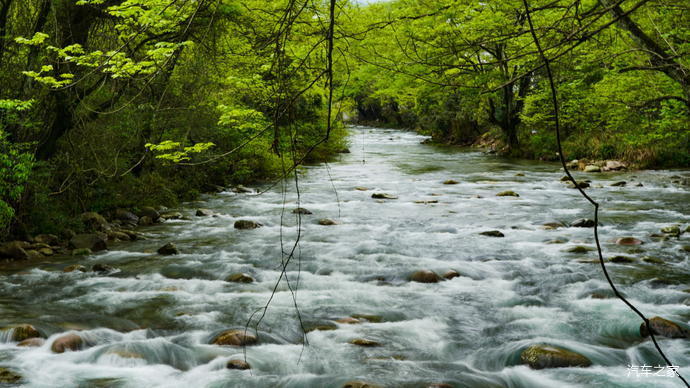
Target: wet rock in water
619 184
365 342
360 384
132 234
665 328
368 317
427 202
13 250
34 342
583 223
92 241
639 185
81 252
451 274
360 188
237 364
146 221
327 222
592 168
171 216
582 185
556 241
673 230
450 182
614 165
425 276
552 225
578 249
21 332
204 213
148 211
34 254
242 189
492 233
519 174
115 235
247 224
74 267
67 342
102 268
348 321
547 356
622 259
628 241
301 210
95 221
168 249
439 385
507 193
321 328
383 196
126 216
49 239
565 178
240 278
235 338
652 260
685 248
9 377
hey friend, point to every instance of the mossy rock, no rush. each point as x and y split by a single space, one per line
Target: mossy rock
247 224
622 259
22 332
578 249
665 328
235 338
547 356
9 377
240 278
507 193
367 343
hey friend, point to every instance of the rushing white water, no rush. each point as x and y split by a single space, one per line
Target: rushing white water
150 323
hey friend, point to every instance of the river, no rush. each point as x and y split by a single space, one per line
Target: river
149 323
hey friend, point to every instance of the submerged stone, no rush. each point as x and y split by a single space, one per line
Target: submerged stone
364 342
237 364
75 267
247 224
327 222
451 274
619 184
66 342
168 249
301 210
22 332
240 278
9 377
348 321
507 193
583 223
628 241
547 356
425 276
450 182
383 196
492 233
578 249
235 338
32 342
622 259
665 328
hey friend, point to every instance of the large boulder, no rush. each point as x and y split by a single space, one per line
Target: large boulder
94 242
67 342
614 165
247 224
547 356
235 338
148 211
425 276
665 328
94 221
18 333
13 250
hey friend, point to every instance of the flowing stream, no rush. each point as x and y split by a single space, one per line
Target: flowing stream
149 323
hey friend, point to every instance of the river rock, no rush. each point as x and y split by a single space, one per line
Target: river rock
9 377
614 165
622 259
425 276
34 342
368 317
360 384
13 250
360 188
92 241
146 221
171 216
383 196
552 225
22 332
583 223
126 216
94 221
364 342
665 328
673 230
240 278
301 210
116 235
507 193
450 182
234 338
242 190
619 184
592 168
102 268
203 213
74 267
547 356
348 321
148 211
81 252
321 328
628 241
237 364
327 222
492 233
49 239
247 224
578 249
582 185
66 342
451 274
168 249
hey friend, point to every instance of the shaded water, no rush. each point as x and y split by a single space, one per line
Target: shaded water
149 324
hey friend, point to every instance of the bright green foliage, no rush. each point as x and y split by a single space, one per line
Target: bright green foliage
177 153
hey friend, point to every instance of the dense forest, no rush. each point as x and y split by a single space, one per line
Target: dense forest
110 104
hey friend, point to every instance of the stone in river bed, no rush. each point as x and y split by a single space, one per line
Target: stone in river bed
547 356
203 213
66 342
240 278
235 338
425 276
365 342
582 185
578 249
146 221
301 210
92 241
22 332
102 268
628 241
32 342
49 239
450 182
360 188
9 377
492 233
327 222
237 364
348 321
360 384
583 223
74 267
13 250
148 211
622 259
507 193
383 196
552 225
247 224
665 328
592 168
673 230
168 249
451 274
619 184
